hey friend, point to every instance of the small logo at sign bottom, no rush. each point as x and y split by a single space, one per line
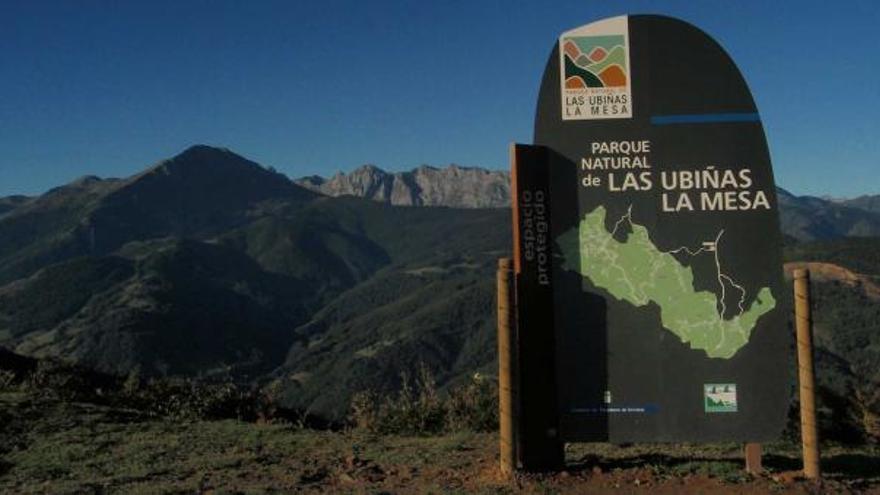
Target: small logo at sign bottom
719 397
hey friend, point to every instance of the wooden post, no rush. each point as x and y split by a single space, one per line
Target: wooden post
752 453
506 392
806 377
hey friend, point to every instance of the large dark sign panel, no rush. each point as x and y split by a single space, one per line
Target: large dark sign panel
660 273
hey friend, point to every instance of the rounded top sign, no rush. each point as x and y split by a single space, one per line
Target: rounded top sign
665 252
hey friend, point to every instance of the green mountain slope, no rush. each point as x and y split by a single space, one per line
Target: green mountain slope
847 337
205 263
859 254
438 315
57 292
184 308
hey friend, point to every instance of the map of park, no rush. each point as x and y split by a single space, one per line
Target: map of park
636 271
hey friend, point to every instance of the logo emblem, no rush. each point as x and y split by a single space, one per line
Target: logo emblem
719 397
595 71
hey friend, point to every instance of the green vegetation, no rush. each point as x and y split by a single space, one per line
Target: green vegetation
60 291
176 399
52 446
395 322
419 409
847 335
859 254
847 326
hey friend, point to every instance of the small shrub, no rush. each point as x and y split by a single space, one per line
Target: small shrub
56 380
266 407
131 387
415 409
188 400
365 410
7 380
422 410
181 399
418 408
473 406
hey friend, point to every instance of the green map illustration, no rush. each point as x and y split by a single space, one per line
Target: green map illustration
636 271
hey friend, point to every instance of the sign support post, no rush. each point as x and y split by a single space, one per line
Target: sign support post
806 378
752 453
506 390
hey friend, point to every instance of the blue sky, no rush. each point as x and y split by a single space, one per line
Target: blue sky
108 88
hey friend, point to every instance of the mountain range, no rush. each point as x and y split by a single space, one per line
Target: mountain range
866 202
209 265
453 186
804 218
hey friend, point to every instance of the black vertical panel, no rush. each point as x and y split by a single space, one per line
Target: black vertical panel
540 446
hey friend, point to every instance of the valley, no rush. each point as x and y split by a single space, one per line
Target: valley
209 266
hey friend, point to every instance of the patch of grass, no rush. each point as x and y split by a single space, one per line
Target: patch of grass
174 456
70 447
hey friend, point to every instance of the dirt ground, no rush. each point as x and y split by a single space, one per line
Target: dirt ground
83 448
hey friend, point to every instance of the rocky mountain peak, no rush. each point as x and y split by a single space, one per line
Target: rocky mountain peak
454 186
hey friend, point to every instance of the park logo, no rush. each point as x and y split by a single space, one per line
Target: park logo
719 397
595 71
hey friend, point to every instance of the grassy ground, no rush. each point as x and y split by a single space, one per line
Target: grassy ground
57 447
